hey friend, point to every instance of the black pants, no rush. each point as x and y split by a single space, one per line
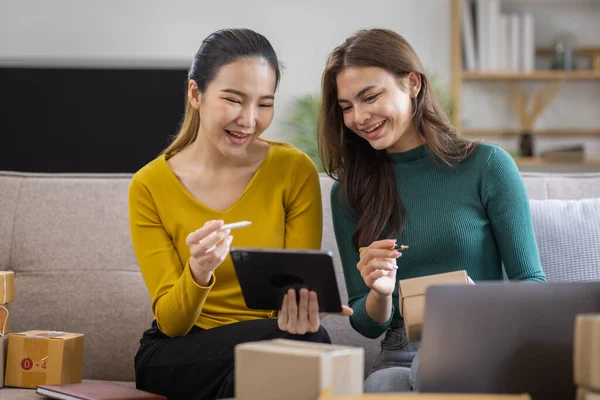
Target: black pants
199 365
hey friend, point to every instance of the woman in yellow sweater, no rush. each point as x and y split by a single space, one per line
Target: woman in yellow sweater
218 171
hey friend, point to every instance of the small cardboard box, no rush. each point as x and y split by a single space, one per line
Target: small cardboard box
296 370
585 394
44 358
4 321
3 351
586 351
7 287
411 294
426 396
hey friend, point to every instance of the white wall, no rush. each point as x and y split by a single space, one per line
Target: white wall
152 32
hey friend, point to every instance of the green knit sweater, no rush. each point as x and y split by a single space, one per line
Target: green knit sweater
473 217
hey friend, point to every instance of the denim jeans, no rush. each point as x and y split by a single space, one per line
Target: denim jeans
395 369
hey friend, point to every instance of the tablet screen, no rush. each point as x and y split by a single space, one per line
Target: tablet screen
265 275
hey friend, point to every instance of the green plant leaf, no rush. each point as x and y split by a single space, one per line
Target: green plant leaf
442 93
302 126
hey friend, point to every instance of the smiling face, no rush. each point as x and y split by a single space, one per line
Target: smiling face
377 106
237 106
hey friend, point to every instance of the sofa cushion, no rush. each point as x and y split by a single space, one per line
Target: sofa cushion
66 236
75 268
543 186
568 234
72 224
9 193
109 307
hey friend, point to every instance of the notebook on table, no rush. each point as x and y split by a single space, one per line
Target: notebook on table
95 391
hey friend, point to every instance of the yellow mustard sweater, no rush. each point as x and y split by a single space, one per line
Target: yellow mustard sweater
283 201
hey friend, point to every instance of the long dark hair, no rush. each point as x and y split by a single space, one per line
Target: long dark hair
366 175
217 50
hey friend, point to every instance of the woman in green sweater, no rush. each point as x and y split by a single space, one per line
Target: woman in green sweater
405 177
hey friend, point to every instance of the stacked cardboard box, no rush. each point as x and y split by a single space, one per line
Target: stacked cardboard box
586 356
7 295
32 358
295 370
44 358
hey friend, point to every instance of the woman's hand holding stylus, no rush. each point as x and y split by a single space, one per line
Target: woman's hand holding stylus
209 246
377 266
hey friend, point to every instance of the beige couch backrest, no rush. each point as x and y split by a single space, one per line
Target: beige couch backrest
67 239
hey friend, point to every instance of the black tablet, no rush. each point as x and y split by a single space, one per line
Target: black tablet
265 275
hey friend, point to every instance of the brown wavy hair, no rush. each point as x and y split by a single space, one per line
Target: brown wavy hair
368 186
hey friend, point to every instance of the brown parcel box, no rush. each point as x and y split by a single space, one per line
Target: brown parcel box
426 396
7 287
3 351
585 394
4 322
411 294
586 351
44 358
295 370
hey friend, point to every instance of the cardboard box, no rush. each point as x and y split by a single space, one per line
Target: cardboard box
7 287
586 351
411 294
296 370
3 351
44 358
4 320
586 394
426 396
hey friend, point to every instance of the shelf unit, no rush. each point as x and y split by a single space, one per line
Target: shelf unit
531 76
550 81
556 133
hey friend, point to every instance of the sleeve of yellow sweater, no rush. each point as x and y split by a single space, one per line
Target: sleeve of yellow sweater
177 300
304 209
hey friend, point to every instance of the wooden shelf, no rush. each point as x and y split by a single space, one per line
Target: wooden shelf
584 51
540 161
513 87
553 2
545 133
536 75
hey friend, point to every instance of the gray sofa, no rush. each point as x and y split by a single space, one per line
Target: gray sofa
67 239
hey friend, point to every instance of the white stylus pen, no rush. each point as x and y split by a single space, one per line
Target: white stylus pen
234 225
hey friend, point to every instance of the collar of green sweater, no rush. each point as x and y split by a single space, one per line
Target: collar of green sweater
410 155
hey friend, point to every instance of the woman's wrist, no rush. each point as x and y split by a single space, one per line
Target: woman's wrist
379 306
201 276
380 298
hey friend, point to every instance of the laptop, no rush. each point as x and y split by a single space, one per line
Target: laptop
503 338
